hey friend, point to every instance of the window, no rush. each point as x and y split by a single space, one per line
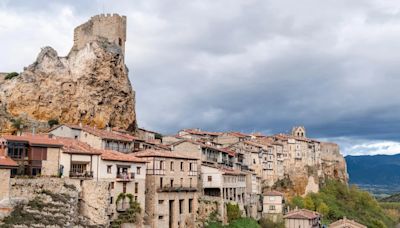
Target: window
112 185
161 182
190 205
181 166
160 217
160 201
181 182
136 187
111 200
209 178
78 168
138 170
254 161
181 206
161 164
271 198
76 137
172 166
109 169
172 182
272 207
190 166
136 198
124 187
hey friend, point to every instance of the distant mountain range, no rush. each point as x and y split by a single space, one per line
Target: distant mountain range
375 171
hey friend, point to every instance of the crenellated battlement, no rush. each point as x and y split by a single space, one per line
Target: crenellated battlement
105 26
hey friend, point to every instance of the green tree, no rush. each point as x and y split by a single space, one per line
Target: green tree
232 211
52 122
308 203
297 201
17 124
323 209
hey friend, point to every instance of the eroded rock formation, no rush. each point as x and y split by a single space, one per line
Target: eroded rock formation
90 85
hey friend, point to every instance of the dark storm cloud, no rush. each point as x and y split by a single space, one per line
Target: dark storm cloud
243 65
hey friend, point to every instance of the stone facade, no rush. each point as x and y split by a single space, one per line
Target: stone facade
171 188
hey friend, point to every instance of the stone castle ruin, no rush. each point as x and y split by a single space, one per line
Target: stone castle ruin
111 27
89 86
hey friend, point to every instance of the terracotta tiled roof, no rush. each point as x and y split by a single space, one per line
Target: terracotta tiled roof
237 134
7 162
161 153
200 132
34 140
343 222
112 155
102 133
273 193
73 146
301 214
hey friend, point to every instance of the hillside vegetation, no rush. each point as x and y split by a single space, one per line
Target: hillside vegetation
336 200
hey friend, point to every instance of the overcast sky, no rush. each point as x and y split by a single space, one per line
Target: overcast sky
246 65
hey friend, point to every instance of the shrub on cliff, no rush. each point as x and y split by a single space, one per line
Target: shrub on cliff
11 75
337 200
52 122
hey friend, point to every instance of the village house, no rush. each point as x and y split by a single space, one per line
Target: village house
34 154
171 188
224 186
98 138
229 138
198 135
302 218
273 205
346 223
149 136
6 164
205 153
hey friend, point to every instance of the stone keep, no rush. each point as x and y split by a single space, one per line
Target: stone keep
111 27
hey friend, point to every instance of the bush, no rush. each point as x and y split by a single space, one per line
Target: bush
267 223
11 75
232 211
52 122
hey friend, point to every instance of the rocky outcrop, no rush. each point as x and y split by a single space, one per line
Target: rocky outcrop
89 86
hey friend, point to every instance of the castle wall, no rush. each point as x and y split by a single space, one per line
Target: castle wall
111 27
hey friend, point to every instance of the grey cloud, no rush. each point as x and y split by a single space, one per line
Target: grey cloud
245 65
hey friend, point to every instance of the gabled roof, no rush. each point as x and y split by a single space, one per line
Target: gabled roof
34 140
301 214
348 222
161 153
112 155
273 193
73 146
200 132
237 134
102 133
7 162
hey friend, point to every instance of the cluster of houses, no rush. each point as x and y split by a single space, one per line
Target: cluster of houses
171 176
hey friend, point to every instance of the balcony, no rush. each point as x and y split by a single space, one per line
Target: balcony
125 176
81 175
177 189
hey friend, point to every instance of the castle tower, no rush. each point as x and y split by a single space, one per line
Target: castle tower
111 27
299 131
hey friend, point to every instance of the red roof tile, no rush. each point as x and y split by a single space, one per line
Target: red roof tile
73 146
301 214
34 140
112 155
273 193
103 133
7 162
200 132
162 153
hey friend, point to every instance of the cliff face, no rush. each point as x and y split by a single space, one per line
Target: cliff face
90 85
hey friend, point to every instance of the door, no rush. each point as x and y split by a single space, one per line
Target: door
171 214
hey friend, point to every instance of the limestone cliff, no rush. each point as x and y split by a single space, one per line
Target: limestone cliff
90 85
